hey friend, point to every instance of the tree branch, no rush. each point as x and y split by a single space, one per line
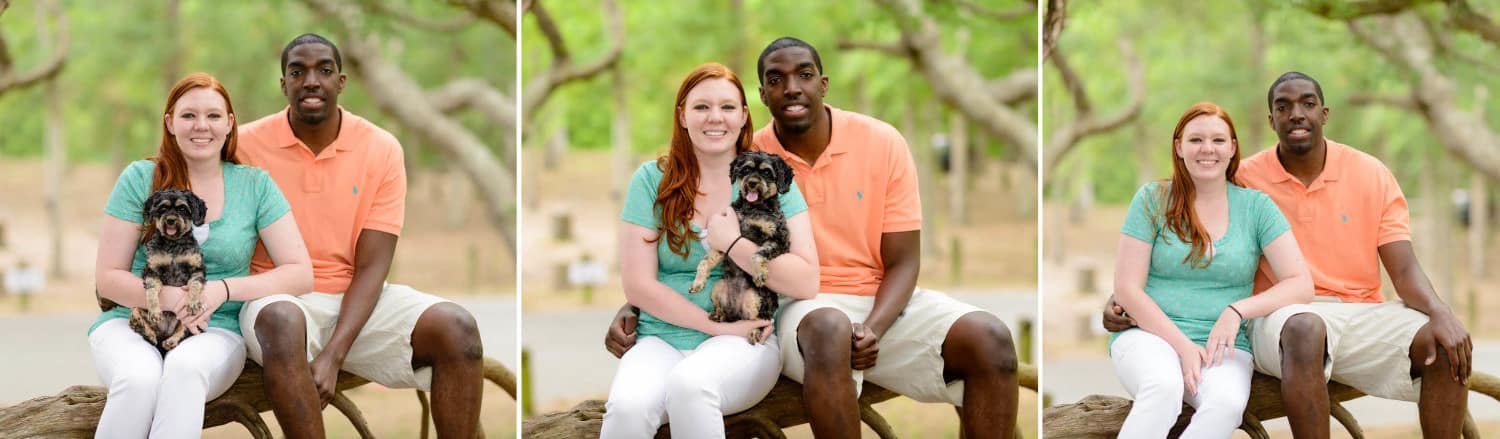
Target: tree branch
399 96
1465 17
956 82
563 70
11 79
474 93
1464 133
1023 11
1061 141
892 49
1352 9
1052 25
1402 102
1019 86
1072 82
410 19
501 13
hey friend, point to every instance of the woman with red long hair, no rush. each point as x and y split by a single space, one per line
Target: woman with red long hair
162 395
1185 272
684 366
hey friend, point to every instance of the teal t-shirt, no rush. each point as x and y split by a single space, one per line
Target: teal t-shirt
251 202
1191 297
676 271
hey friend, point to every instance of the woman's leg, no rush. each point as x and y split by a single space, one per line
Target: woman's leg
726 374
1221 398
1149 370
198 370
131 368
637 402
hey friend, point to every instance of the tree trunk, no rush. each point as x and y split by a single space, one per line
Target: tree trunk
958 169
172 70
620 136
57 156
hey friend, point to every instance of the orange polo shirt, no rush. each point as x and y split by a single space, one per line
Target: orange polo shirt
863 185
1340 221
356 183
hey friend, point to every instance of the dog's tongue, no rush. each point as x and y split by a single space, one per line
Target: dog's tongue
171 231
752 196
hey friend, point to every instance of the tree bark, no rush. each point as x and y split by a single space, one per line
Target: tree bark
57 152
620 136
1062 139
10 78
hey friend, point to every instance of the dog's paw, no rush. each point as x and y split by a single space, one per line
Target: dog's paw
194 307
170 343
697 286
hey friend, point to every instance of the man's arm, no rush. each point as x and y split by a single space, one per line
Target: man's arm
1416 290
620 336
373 253
901 253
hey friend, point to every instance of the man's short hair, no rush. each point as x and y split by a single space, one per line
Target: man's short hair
1288 76
782 43
310 38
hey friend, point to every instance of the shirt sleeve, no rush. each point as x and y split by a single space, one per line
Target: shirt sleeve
131 189
1269 222
792 203
1141 219
270 204
640 197
903 202
388 212
1395 224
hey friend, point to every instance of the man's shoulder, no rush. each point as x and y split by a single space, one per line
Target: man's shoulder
865 125
1359 162
261 132
374 135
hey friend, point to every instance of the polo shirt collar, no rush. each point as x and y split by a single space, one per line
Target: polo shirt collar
287 139
1333 164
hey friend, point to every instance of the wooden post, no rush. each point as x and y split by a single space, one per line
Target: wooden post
473 265
956 261
56 150
1023 342
527 408
562 226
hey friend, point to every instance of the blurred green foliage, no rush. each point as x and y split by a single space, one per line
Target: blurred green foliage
1203 51
114 85
666 41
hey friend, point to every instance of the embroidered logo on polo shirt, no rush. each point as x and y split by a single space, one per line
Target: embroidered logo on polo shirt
356 190
859 195
1345 218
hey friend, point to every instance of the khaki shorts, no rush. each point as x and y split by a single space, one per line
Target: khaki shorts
911 351
382 350
1368 346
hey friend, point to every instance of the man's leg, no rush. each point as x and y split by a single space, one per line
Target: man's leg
282 332
979 351
447 339
1304 393
828 391
1444 401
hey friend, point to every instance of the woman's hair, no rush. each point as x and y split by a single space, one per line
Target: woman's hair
679 183
171 167
1178 192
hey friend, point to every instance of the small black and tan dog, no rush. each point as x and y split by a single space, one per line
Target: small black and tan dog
761 178
172 259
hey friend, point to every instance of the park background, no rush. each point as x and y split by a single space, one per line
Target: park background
82 87
957 78
1415 89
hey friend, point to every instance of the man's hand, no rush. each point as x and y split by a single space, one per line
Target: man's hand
325 374
621 334
1449 335
1114 317
865 347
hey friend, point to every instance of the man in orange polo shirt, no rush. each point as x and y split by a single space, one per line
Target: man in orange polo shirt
869 320
1349 216
346 182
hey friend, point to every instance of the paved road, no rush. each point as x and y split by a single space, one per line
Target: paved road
568 360
46 354
1071 380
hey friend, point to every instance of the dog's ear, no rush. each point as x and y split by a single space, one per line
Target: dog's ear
148 209
735 167
783 175
200 210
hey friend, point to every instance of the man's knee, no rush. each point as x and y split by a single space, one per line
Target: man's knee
822 333
981 343
454 330
281 330
1303 339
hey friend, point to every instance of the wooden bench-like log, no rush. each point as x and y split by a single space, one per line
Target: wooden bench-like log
1097 416
74 413
780 409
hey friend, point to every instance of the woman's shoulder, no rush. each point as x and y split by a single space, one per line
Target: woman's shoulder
142 166
1249 195
649 170
250 171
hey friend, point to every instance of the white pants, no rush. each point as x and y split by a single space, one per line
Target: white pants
151 396
694 389
1149 369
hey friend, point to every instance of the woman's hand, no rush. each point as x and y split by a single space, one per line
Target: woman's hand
723 228
213 297
742 328
1192 358
1221 339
